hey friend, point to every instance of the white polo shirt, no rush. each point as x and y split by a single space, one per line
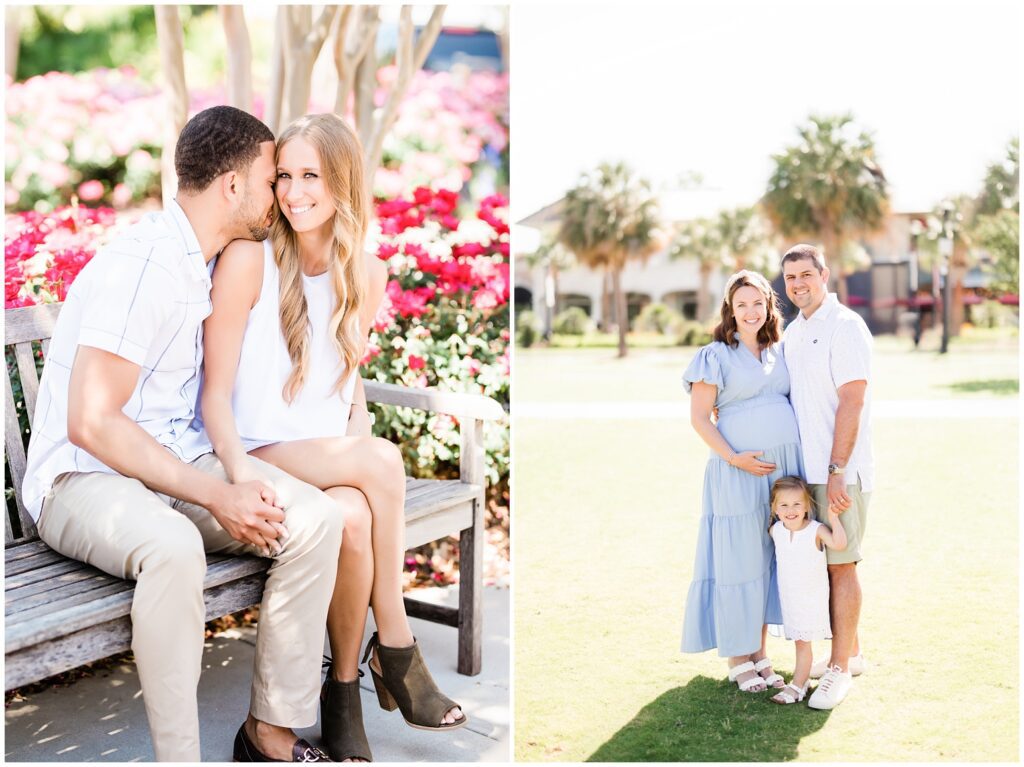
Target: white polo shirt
822 353
142 297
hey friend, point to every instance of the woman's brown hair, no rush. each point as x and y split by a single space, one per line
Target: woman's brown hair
771 331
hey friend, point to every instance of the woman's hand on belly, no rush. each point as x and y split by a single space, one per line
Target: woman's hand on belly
748 462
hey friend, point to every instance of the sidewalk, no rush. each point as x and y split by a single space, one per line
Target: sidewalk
102 718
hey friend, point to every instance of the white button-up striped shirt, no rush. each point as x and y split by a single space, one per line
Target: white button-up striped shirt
142 297
824 352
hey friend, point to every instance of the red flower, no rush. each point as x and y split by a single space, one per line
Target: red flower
416 363
469 249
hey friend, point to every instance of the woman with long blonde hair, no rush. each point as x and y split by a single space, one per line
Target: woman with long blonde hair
281 383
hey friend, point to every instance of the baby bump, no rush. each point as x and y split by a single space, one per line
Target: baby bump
759 423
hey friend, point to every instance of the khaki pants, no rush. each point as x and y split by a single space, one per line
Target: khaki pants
122 527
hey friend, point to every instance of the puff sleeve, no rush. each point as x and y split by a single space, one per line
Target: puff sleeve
705 367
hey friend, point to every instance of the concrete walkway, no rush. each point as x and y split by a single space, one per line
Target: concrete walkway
102 718
911 408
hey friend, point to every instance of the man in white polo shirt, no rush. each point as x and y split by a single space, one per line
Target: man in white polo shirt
828 353
109 482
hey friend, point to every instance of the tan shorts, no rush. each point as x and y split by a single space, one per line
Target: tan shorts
854 521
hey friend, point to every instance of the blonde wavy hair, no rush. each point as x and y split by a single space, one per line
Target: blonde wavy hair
341 167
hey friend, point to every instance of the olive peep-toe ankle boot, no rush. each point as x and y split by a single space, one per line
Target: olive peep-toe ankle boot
403 682
341 721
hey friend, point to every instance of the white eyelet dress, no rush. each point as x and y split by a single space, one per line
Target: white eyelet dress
803 582
261 414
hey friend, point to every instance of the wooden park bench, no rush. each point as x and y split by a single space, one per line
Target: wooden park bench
60 613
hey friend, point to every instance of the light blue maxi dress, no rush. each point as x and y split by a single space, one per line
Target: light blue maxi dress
734 590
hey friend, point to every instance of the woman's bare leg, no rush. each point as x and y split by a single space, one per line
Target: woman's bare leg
374 466
346 616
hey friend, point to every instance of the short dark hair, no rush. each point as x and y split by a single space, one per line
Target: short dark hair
803 251
215 141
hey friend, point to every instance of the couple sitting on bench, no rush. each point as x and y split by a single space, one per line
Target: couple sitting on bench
137 469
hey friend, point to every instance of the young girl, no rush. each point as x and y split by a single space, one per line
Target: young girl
802 573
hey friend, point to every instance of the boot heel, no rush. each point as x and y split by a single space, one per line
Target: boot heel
386 699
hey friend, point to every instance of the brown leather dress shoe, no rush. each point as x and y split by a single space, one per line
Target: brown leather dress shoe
302 751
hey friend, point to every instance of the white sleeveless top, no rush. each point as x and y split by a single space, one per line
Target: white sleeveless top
803 582
262 416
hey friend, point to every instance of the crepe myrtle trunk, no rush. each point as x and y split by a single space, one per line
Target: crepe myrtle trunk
171 42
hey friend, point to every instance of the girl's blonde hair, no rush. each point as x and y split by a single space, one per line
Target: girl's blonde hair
341 167
790 483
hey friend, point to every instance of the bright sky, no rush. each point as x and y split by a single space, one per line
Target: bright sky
718 87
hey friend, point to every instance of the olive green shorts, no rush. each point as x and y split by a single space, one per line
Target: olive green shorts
854 521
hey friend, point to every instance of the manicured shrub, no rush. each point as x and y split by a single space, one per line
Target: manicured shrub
571 322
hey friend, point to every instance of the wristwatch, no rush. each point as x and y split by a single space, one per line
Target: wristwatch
835 468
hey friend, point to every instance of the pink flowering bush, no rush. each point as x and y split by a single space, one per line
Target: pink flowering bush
449 126
443 323
94 135
98 135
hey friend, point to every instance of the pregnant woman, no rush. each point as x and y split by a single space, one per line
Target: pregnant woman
289 325
753 441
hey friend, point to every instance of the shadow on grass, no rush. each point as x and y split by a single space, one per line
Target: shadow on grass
708 720
999 386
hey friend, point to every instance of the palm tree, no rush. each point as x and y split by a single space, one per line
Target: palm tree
829 186
746 240
701 239
552 257
609 218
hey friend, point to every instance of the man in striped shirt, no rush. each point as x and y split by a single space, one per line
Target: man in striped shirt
109 484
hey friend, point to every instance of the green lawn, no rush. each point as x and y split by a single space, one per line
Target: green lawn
606 515
984 365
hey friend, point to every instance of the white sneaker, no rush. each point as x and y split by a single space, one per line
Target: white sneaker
856 667
834 686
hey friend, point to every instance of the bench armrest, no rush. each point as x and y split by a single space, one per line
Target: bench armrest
451 403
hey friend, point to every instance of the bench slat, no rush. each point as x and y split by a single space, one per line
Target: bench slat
24 564
16 460
452 493
23 550
53 588
43 574
55 598
452 403
30 323
53 656
113 601
29 378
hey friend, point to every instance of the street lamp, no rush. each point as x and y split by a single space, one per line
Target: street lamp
916 229
946 252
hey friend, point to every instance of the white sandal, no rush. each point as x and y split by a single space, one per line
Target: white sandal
772 678
790 694
743 668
